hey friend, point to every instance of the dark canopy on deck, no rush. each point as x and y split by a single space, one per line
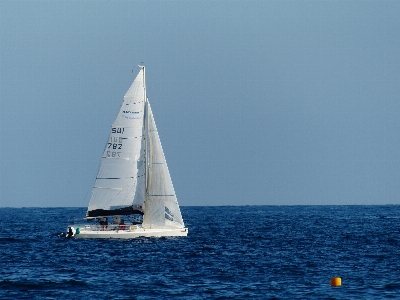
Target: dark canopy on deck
124 211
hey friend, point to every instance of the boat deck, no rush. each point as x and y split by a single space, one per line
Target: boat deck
125 231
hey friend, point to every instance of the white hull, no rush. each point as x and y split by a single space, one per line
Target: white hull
130 233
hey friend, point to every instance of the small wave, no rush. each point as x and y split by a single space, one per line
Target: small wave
39 285
9 240
392 286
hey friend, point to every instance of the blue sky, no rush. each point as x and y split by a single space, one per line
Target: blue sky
256 102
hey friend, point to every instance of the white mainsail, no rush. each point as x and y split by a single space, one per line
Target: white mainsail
161 206
120 181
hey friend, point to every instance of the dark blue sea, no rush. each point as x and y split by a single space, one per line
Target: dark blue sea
257 252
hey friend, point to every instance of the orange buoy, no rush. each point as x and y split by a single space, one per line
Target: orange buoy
336 281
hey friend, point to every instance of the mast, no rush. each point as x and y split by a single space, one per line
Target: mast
146 131
146 147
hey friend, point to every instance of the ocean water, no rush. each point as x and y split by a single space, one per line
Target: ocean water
257 252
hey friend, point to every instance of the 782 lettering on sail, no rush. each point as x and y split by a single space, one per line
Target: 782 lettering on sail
115 143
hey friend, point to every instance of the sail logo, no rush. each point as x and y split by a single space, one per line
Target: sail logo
130 112
168 214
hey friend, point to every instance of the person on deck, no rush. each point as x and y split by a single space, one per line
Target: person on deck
101 222
106 224
122 225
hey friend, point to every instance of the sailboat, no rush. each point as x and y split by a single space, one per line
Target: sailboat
133 195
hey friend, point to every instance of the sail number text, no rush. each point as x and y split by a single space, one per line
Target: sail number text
115 143
118 130
114 146
113 154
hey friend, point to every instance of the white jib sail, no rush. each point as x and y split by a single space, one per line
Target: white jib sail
161 206
120 181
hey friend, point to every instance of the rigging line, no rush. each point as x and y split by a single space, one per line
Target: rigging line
107 188
115 177
119 126
129 177
115 196
133 103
